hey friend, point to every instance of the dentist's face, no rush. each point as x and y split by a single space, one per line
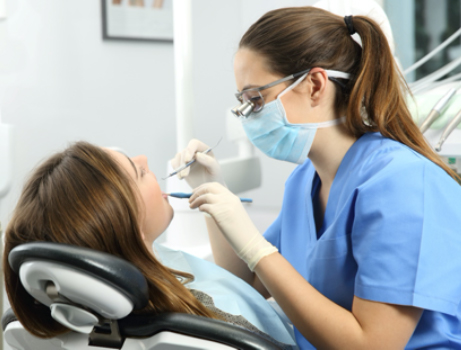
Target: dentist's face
158 212
251 71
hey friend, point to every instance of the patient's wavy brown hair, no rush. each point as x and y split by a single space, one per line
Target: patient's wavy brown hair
298 38
81 196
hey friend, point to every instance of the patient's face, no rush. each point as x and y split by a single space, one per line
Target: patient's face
158 212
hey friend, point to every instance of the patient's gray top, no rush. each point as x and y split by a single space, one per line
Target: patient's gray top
237 320
237 301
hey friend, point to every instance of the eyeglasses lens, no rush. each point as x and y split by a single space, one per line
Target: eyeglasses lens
255 98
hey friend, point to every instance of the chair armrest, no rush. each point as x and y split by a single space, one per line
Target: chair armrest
197 326
8 317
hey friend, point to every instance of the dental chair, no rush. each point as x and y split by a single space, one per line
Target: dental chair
94 293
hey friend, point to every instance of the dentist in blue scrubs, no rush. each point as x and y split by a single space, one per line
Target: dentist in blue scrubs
366 251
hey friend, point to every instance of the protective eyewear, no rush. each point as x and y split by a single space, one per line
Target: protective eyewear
252 101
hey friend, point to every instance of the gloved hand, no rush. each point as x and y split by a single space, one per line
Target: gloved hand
233 221
205 169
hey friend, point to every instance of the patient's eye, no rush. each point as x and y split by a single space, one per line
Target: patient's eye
143 171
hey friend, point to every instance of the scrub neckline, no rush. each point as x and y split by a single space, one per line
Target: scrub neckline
314 188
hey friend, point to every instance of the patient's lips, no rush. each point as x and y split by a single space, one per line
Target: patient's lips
165 196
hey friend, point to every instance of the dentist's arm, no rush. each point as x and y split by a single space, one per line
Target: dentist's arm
206 169
370 325
226 257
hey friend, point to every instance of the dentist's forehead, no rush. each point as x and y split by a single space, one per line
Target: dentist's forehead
250 69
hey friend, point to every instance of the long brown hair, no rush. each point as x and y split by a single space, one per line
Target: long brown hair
82 197
298 38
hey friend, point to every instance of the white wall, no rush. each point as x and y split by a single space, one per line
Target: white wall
59 82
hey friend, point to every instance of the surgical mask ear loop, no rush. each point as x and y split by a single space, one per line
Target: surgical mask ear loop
320 125
292 86
330 73
332 122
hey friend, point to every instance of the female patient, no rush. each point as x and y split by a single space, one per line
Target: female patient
101 199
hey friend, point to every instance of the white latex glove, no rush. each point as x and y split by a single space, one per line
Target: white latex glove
233 221
205 169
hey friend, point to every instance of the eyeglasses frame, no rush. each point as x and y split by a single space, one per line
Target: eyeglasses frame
250 104
238 95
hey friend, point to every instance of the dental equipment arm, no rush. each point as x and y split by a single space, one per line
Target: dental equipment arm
440 83
433 52
423 83
437 109
447 131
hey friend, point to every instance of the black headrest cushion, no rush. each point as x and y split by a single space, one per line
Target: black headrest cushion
117 272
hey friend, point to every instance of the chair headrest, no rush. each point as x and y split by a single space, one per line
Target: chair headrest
107 268
72 280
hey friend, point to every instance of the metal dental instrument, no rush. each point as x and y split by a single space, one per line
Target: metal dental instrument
437 109
187 195
188 164
449 128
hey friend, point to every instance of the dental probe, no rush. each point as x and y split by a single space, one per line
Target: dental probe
450 127
187 195
437 109
188 164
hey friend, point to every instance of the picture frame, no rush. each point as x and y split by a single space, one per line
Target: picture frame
140 20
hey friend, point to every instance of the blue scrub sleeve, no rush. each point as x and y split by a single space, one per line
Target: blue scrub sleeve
406 237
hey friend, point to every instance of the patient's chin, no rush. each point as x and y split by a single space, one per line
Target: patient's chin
169 221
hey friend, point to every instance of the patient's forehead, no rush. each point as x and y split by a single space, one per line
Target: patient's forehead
123 160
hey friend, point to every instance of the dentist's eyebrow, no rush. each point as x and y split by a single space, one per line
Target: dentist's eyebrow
250 86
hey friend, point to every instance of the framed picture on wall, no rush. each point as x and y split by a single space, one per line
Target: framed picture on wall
146 20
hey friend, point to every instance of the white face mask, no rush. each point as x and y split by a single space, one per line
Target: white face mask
270 131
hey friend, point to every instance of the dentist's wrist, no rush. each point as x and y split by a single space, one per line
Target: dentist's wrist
255 249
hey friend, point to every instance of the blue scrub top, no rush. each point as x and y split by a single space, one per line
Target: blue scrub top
391 233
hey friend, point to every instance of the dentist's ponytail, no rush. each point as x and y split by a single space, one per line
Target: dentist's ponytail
298 38
378 94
